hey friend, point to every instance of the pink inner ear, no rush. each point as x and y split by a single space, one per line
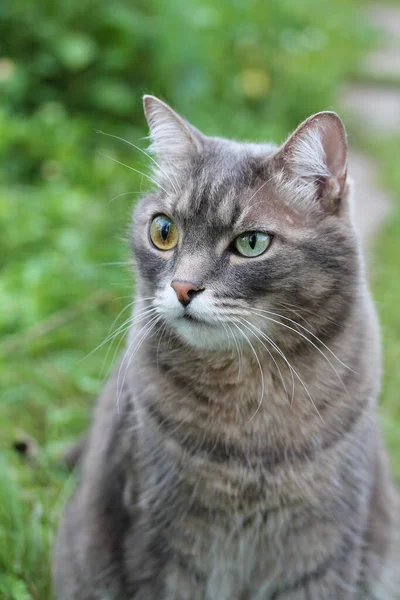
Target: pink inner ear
318 150
335 146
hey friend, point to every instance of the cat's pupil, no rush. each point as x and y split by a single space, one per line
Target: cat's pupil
252 240
165 231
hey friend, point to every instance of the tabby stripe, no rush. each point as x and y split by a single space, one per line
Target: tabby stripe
334 560
270 457
304 580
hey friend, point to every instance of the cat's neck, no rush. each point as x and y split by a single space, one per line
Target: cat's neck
222 387
247 389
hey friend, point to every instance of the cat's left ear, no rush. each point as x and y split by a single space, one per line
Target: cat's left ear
316 154
173 140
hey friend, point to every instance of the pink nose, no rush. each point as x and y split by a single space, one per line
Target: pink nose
185 290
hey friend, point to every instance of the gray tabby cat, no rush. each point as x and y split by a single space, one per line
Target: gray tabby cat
235 452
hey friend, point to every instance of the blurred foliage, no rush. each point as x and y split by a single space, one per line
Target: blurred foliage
278 61
249 69
387 294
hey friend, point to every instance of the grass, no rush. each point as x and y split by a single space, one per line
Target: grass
60 292
386 288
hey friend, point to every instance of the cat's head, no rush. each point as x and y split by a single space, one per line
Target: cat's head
239 237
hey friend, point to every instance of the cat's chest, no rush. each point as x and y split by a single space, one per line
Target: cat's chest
215 562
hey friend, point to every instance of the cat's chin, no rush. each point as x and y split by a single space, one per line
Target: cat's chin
202 335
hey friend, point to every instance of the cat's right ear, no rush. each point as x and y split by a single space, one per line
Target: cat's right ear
315 160
173 140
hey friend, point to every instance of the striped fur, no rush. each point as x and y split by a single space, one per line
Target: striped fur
235 452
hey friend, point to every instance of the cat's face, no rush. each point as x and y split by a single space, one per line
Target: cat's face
240 237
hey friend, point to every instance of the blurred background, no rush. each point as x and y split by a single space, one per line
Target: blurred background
248 69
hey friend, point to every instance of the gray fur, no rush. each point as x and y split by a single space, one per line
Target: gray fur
240 458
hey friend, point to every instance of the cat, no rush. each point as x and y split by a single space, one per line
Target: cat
235 452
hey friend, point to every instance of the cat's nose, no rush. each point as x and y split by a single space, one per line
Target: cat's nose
185 290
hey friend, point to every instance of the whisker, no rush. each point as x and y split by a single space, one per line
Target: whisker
156 183
121 312
136 318
305 329
249 205
281 353
259 366
302 384
124 194
267 349
287 305
315 337
143 152
128 322
258 190
239 353
150 326
229 340
122 334
117 263
307 339
162 331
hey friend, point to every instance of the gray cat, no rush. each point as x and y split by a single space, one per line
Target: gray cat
235 452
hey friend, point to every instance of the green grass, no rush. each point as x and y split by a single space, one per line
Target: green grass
386 287
59 296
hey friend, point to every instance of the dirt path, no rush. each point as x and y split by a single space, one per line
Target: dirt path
374 103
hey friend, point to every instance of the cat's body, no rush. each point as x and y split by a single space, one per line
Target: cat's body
213 469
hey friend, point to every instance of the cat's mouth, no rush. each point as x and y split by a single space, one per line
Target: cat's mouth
192 319
195 320
201 332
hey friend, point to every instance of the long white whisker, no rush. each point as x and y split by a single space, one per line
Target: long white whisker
156 183
143 152
121 334
162 331
132 319
150 326
126 323
255 194
116 263
121 312
136 318
302 384
287 306
259 366
239 353
226 331
308 340
124 194
311 333
281 353
267 349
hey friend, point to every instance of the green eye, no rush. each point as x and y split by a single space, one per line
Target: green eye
253 243
163 233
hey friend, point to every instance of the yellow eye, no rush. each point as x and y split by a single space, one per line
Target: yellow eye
163 233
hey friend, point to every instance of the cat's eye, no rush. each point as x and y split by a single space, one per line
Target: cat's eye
252 243
163 233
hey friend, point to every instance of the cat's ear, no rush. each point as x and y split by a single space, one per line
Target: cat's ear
173 140
315 155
